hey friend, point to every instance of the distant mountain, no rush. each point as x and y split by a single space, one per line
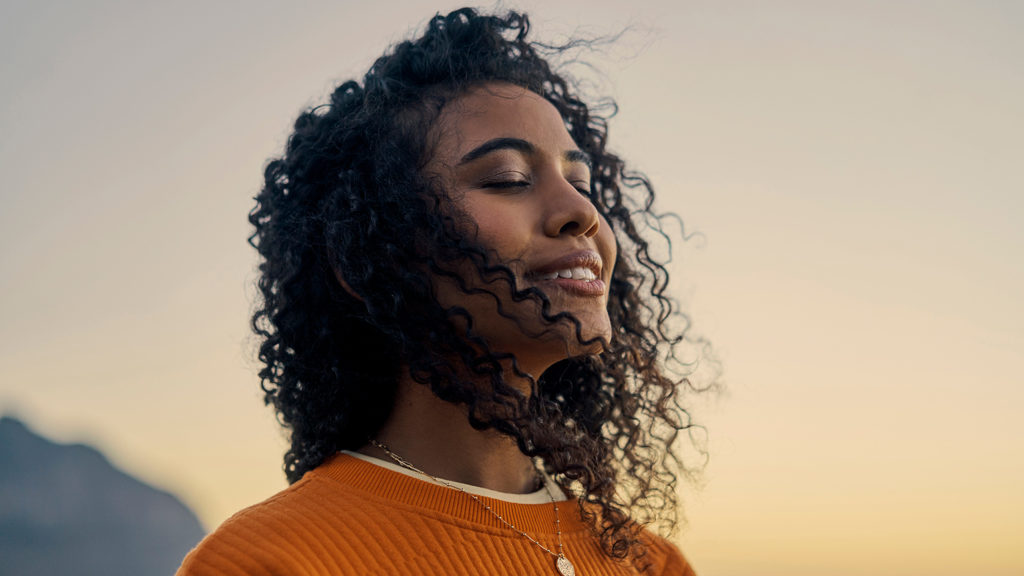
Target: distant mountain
65 510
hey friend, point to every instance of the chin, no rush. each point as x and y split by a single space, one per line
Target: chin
595 334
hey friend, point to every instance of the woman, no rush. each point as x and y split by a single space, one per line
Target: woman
462 329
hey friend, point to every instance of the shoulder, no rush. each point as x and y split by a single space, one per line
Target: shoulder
667 559
285 534
243 543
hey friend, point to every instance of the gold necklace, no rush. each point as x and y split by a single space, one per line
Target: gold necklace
562 564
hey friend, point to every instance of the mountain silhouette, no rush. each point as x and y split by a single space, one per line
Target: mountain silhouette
66 510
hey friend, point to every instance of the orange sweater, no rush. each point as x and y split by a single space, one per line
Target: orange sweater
349 517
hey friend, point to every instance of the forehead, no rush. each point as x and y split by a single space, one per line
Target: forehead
500 111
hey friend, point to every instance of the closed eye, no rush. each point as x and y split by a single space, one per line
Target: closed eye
500 184
581 186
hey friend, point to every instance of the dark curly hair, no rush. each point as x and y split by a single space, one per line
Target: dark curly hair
349 200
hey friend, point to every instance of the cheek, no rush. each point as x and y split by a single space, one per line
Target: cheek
501 230
606 244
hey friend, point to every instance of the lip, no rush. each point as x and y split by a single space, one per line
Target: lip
582 259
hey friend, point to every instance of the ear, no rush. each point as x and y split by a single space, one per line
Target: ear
345 286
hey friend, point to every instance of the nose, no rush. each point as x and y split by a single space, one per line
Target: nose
568 211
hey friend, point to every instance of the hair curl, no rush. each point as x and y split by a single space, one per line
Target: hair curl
349 197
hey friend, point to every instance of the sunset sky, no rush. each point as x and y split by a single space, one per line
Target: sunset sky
854 172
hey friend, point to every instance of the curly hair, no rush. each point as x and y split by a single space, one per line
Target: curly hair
349 200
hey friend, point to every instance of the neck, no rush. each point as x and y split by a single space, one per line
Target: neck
436 437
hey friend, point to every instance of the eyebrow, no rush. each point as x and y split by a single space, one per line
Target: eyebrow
519 145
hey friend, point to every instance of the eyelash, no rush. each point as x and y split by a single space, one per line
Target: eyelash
506 184
501 184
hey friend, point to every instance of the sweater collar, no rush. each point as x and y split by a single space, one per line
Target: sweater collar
539 497
399 488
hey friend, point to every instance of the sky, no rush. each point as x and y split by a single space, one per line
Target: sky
851 172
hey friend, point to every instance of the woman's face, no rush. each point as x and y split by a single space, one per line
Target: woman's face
509 164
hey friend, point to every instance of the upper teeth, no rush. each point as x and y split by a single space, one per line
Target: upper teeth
574 273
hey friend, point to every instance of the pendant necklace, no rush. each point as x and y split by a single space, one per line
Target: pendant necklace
562 564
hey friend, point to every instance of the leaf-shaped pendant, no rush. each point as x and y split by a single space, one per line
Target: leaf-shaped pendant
565 568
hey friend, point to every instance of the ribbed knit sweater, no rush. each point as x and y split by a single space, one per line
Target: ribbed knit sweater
352 517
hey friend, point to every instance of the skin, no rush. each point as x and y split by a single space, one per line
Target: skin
508 165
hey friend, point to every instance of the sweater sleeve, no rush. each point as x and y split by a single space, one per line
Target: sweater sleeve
252 543
675 563
228 553
677 566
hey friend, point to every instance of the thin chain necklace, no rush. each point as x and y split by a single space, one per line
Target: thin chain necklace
562 564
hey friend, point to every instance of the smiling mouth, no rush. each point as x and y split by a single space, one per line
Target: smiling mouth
577 273
575 281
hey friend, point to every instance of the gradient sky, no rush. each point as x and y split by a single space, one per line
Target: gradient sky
853 168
